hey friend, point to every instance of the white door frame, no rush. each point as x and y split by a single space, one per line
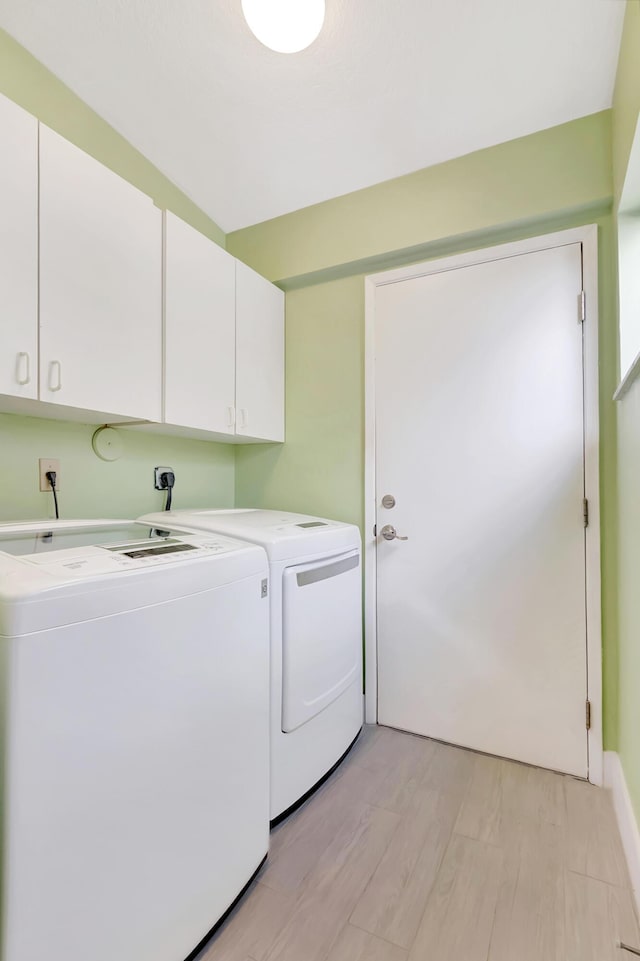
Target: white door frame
588 237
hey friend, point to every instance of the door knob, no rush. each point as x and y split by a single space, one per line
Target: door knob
390 534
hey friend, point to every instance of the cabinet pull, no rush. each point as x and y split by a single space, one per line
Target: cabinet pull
244 417
23 363
55 365
231 416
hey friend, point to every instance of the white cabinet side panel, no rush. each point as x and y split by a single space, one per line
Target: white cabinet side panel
18 251
259 356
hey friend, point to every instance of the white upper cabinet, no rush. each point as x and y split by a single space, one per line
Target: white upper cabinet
90 338
100 287
18 251
199 388
224 341
259 357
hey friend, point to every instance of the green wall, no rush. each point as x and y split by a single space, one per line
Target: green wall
626 109
626 97
554 179
91 487
550 180
319 470
563 169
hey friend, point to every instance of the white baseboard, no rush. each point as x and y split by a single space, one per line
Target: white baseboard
615 780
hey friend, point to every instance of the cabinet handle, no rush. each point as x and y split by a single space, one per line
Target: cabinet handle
244 417
231 416
55 364
23 362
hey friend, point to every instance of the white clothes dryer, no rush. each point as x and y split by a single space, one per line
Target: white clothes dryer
316 639
134 676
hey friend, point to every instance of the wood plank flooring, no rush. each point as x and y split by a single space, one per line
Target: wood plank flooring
416 851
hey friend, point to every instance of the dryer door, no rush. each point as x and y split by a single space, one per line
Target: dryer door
321 635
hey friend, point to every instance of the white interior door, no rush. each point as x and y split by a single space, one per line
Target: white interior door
479 439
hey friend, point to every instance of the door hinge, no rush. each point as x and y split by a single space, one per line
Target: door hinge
375 530
585 511
588 715
582 307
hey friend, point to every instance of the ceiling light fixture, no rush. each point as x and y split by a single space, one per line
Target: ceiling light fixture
286 26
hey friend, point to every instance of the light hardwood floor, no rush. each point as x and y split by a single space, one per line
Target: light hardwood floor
416 851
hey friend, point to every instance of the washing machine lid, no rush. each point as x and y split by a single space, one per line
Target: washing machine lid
44 536
53 577
283 534
49 524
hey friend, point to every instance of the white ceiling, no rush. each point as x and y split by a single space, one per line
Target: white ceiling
389 87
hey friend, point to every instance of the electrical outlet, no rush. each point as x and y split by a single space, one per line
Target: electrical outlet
157 471
46 464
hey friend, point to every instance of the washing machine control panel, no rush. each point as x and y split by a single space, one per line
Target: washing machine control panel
152 548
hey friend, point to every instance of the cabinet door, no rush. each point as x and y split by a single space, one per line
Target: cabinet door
18 251
199 387
100 286
259 356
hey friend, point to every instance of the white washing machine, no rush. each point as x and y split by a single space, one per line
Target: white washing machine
316 638
135 722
